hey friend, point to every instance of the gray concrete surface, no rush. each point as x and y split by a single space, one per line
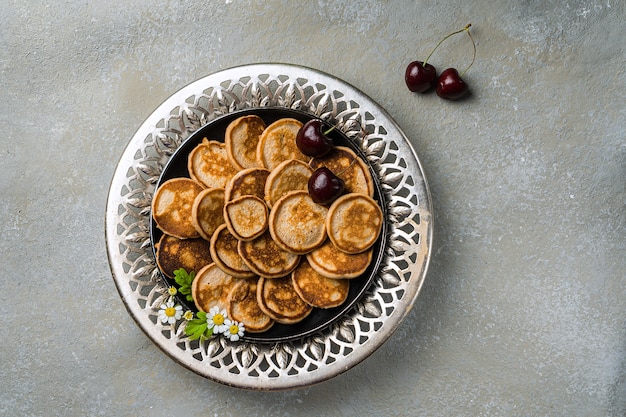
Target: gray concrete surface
523 312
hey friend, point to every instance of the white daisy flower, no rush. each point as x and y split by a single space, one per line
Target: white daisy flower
172 291
216 319
169 312
188 315
235 330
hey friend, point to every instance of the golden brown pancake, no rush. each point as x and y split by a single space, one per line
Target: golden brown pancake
241 140
211 287
265 258
224 252
318 290
330 262
172 205
243 306
278 144
173 253
297 223
246 217
278 299
208 164
289 175
354 222
207 212
344 163
250 181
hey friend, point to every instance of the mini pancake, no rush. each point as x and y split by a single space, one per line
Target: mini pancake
223 249
342 161
246 217
279 300
318 290
297 223
265 258
172 205
207 212
208 164
243 306
289 175
354 222
241 140
173 253
247 182
211 287
278 144
330 262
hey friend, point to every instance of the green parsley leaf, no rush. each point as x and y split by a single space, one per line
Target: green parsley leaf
198 328
184 279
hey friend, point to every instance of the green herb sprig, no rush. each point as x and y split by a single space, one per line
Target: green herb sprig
198 328
184 280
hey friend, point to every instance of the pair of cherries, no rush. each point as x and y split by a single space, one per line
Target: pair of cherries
421 77
324 186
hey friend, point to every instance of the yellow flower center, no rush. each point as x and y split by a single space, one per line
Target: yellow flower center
234 329
170 311
218 319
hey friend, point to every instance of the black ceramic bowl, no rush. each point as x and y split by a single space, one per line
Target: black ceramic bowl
319 318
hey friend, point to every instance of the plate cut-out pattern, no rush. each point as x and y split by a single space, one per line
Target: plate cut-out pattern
386 302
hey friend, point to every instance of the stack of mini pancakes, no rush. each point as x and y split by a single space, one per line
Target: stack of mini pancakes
261 248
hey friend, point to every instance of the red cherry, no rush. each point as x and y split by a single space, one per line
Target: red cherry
450 85
420 77
312 141
324 186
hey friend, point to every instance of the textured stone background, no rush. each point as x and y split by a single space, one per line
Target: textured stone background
524 308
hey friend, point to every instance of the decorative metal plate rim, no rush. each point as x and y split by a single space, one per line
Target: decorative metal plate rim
385 304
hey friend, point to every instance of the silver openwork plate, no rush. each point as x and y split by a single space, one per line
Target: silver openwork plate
330 350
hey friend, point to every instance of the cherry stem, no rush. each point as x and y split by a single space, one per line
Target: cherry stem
333 127
346 168
465 29
473 44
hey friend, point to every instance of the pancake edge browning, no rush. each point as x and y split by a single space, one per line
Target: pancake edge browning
199 213
346 164
239 185
218 236
307 227
238 148
293 316
317 290
261 256
347 226
278 144
242 215
329 261
281 180
210 155
243 306
162 216
173 253
219 284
